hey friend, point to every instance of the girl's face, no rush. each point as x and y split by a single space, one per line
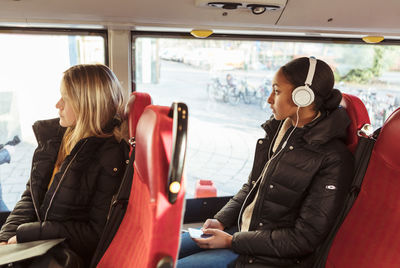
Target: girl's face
280 98
67 115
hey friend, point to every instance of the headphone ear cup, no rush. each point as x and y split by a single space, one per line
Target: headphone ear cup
303 96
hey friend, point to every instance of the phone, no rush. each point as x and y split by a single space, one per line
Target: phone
197 233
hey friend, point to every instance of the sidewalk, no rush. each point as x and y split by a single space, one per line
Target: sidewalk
14 176
224 155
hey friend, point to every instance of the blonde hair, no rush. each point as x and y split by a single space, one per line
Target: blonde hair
96 98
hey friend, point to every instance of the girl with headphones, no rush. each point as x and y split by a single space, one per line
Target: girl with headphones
300 177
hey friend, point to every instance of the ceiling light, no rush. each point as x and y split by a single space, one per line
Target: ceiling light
201 33
373 39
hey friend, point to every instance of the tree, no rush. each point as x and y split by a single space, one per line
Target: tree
365 75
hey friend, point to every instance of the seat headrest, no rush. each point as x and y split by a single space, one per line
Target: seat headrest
387 146
154 145
161 143
358 114
134 109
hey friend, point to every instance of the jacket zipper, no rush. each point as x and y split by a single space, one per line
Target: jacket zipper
271 167
62 178
30 183
33 201
258 181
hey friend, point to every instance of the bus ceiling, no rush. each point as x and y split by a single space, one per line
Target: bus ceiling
312 17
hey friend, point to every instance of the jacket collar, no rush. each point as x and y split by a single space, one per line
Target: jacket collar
330 125
48 130
271 126
51 130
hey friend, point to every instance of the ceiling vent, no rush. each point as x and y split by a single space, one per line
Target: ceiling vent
257 7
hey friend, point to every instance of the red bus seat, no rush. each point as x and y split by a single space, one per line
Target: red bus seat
133 110
359 117
369 234
149 233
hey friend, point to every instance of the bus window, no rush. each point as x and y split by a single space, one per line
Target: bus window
225 84
30 72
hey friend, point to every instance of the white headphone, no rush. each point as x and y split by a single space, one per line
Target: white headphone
303 96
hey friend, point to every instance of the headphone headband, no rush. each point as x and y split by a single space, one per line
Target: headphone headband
311 71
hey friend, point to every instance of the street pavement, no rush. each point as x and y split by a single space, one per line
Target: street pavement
14 176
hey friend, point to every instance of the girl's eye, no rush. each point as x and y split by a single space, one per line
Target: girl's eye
274 89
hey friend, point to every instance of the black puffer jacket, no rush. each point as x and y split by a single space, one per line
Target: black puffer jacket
77 203
300 196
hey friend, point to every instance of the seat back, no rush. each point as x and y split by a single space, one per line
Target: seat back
149 233
359 117
359 146
369 234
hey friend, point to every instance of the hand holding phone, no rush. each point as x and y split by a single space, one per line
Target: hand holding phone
197 233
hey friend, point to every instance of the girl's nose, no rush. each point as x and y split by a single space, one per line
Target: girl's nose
58 104
270 98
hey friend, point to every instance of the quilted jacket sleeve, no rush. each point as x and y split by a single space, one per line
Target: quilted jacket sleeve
23 212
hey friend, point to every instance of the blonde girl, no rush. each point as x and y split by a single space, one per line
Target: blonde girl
77 166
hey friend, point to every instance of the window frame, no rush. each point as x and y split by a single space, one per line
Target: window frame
54 31
61 31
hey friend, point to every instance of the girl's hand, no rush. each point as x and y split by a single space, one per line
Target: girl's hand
12 240
219 239
213 224
3 243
